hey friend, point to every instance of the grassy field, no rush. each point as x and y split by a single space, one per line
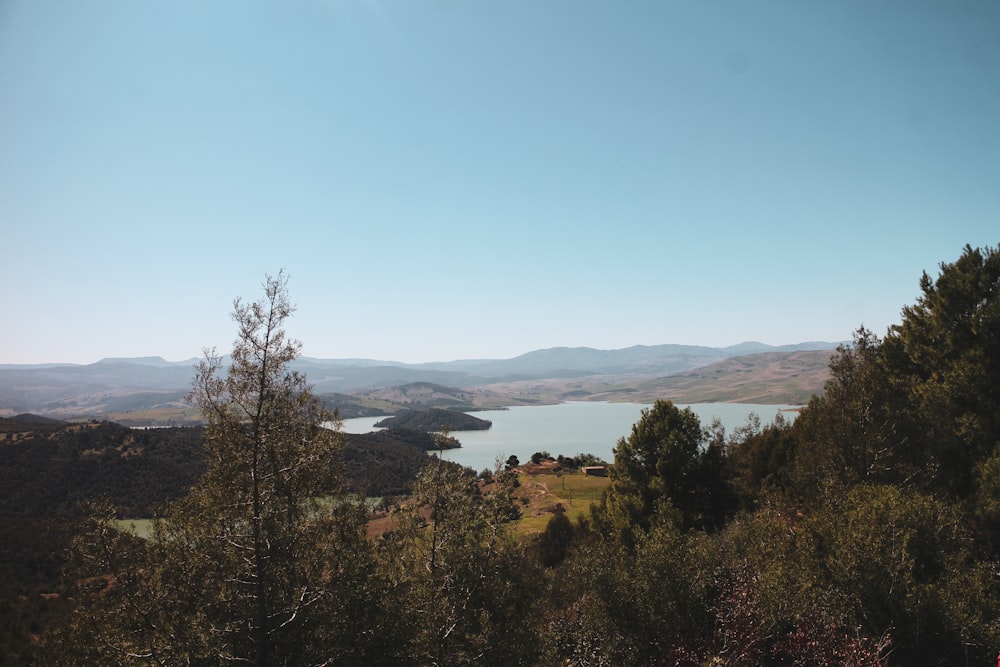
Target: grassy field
542 490
540 493
141 527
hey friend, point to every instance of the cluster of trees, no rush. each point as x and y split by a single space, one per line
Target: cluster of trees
50 471
267 559
384 462
578 461
435 419
31 562
863 533
866 532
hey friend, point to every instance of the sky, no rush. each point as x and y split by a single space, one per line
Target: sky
458 179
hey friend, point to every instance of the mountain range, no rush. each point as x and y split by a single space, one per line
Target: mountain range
116 385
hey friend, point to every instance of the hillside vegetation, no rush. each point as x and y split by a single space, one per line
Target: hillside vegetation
435 420
50 471
866 532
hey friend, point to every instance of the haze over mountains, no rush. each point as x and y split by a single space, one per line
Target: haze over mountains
123 384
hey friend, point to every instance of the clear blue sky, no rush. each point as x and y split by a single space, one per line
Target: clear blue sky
461 178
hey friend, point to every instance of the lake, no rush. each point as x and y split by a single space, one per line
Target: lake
580 427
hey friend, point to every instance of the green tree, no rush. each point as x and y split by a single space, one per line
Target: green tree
759 459
944 358
622 605
265 562
772 599
905 561
853 433
553 543
667 469
461 581
986 504
538 457
840 582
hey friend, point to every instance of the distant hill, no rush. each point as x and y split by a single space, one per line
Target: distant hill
44 473
50 469
28 418
644 360
25 425
424 395
69 391
158 362
769 377
435 420
348 406
386 462
152 390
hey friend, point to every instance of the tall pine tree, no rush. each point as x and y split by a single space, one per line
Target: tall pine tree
266 561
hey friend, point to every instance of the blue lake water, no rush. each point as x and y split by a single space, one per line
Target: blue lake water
569 429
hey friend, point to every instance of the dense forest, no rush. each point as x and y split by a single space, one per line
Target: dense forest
865 532
51 472
56 472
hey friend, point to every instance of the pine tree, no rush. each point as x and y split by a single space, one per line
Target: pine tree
266 561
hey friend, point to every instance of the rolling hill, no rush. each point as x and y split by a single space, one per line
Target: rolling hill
150 390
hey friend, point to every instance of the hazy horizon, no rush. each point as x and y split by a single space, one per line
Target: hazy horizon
397 361
447 180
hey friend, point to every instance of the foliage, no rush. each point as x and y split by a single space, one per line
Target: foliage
581 460
31 560
386 462
51 473
263 561
875 567
667 469
435 419
864 533
459 577
917 409
854 546
944 359
853 432
538 457
898 555
553 544
759 459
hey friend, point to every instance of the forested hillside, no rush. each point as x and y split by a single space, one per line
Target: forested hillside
55 469
51 471
866 532
435 419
